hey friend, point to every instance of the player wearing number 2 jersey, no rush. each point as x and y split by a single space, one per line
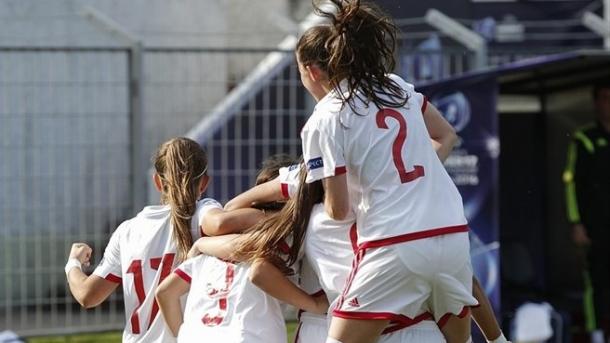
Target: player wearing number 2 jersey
145 249
367 142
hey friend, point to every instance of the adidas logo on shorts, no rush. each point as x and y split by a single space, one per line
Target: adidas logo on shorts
354 303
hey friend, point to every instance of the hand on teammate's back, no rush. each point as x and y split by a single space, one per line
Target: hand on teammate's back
81 252
322 304
193 252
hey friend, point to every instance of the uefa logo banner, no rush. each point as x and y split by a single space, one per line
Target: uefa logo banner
470 107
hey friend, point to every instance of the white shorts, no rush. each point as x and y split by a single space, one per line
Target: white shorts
311 329
408 281
423 332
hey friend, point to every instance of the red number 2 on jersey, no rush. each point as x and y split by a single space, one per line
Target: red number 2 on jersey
399 141
135 268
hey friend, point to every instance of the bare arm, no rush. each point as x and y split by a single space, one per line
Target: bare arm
219 246
271 280
220 222
89 291
265 192
442 133
483 314
336 198
168 297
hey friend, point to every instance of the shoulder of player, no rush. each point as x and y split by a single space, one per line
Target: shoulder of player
208 202
321 119
124 226
401 82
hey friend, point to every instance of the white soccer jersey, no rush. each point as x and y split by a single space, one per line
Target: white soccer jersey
396 182
289 179
328 246
329 250
140 254
223 306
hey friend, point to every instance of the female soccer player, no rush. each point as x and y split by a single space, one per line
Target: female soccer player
222 304
367 141
145 249
329 247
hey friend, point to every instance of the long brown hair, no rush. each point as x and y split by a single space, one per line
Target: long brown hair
181 163
358 46
267 237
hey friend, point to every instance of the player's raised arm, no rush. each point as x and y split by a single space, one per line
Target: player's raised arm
221 222
441 132
91 290
336 197
266 192
219 246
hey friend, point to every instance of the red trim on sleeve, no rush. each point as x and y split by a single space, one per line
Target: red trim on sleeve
340 170
284 247
113 278
184 276
285 190
424 106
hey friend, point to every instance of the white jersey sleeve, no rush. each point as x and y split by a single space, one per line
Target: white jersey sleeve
203 207
289 180
185 269
322 139
109 267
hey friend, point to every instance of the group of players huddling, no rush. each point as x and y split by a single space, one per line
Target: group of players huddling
369 221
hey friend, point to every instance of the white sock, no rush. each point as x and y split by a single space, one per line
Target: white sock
332 340
500 339
469 340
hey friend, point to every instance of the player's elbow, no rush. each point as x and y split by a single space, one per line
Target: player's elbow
337 211
452 137
161 292
257 271
216 226
87 300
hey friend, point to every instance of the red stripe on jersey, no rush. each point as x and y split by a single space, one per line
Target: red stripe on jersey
353 237
424 106
113 278
401 319
340 170
355 265
446 316
184 276
285 190
395 326
413 236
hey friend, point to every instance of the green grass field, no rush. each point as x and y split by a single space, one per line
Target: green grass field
114 337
